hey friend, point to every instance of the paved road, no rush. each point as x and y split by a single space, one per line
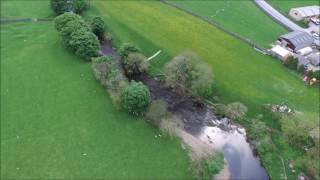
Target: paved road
278 16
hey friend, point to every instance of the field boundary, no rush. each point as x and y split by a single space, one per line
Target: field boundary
16 20
254 45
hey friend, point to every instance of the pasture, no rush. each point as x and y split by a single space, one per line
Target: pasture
58 122
241 17
241 74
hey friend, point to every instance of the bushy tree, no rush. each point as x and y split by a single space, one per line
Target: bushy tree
135 63
85 44
236 110
127 48
80 5
258 129
61 6
62 20
186 73
71 27
136 98
98 27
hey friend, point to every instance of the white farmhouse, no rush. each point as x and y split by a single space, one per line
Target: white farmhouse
304 13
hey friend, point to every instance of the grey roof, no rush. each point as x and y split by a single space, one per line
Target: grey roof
299 39
307 11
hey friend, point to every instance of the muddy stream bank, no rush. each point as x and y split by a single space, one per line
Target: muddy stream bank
201 122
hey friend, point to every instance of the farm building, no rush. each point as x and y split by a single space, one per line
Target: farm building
296 40
280 52
304 13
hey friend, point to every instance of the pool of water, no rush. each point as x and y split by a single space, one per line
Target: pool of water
237 151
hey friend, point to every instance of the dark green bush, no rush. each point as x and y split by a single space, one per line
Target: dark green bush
98 27
62 20
136 98
135 63
62 6
258 129
126 49
80 5
85 44
71 27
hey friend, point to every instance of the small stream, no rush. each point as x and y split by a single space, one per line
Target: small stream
200 121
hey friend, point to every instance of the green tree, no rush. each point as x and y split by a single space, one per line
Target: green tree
71 27
85 44
61 6
127 48
80 5
98 27
135 63
136 98
62 20
187 74
258 129
236 110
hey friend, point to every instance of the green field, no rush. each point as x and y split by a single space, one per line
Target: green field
241 17
25 9
241 74
286 5
58 122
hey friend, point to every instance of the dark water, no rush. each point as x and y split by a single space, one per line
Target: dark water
242 162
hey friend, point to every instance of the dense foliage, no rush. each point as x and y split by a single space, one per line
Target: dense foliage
98 27
135 63
186 74
136 98
236 110
291 63
77 35
127 48
62 6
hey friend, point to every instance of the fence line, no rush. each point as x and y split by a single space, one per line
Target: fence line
207 20
15 20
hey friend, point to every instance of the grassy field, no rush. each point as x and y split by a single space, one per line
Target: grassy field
286 5
25 9
58 122
241 74
241 17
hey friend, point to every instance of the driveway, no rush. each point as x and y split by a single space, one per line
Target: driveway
278 16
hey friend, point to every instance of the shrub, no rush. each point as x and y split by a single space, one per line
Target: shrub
98 27
205 167
157 111
136 98
316 74
85 44
291 63
170 125
61 6
187 73
258 129
236 110
62 20
70 27
265 144
301 69
127 48
80 5
135 63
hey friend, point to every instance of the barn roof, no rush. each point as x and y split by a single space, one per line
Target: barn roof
299 39
307 11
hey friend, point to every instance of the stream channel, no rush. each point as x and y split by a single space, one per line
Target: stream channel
201 122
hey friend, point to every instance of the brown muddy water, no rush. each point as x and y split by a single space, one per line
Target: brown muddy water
200 121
